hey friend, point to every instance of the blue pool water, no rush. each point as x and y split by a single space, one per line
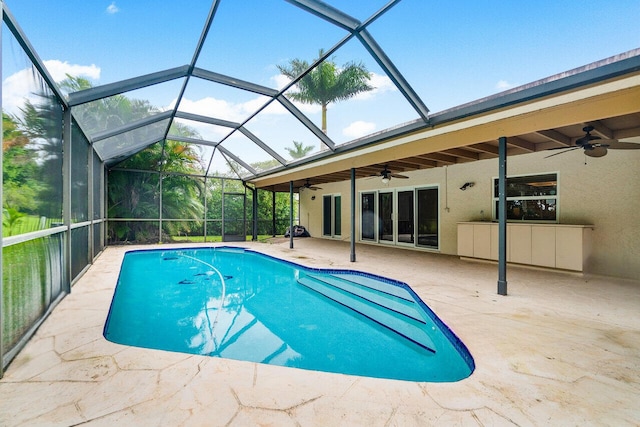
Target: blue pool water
240 304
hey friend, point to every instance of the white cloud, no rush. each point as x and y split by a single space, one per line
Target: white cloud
17 88
359 128
281 80
380 83
112 9
503 85
20 86
59 70
222 109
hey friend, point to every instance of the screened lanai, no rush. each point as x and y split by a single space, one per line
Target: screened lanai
207 131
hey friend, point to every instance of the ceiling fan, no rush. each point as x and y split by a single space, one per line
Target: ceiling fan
594 146
307 185
386 175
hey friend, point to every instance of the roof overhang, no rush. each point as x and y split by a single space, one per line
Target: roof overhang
554 110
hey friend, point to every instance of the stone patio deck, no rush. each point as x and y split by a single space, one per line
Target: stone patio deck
560 349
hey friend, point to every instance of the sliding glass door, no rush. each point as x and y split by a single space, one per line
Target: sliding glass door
385 217
368 216
428 208
331 215
407 217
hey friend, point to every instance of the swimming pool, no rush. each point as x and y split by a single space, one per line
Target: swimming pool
240 304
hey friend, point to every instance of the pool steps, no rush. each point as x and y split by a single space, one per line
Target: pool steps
372 283
384 304
390 297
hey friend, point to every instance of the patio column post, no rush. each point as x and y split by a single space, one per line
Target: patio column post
502 216
273 212
254 196
160 177
66 197
353 215
290 214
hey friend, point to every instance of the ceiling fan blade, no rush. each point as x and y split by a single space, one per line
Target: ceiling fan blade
597 151
397 175
617 145
567 149
564 147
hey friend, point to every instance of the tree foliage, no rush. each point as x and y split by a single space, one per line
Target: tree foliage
299 150
327 82
32 159
171 171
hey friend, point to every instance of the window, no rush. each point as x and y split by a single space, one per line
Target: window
529 198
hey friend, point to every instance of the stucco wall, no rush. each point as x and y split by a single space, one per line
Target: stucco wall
604 192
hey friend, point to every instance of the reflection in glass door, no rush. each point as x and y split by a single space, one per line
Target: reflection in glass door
368 219
332 215
385 217
326 216
427 200
405 217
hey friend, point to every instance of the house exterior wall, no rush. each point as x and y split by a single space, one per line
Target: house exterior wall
604 192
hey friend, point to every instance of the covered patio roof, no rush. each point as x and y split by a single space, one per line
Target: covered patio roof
549 114
243 119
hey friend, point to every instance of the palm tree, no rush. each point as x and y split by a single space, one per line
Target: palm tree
299 150
327 82
135 195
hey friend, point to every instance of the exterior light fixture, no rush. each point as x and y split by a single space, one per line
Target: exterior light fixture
467 185
385 179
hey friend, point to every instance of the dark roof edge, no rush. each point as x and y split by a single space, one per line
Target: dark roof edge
614 66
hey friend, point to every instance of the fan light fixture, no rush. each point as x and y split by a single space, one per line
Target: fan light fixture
595 146
386 175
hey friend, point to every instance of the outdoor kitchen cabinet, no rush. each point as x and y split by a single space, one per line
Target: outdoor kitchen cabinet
559 246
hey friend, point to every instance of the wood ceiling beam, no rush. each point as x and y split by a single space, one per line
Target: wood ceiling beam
485 148
424 163
438 157
411 163
627 133
521 143
601 130
465 154
555 136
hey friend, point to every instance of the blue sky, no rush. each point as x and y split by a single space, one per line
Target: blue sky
450 52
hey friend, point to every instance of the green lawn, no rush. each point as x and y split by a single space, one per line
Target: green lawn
26 224
213 239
